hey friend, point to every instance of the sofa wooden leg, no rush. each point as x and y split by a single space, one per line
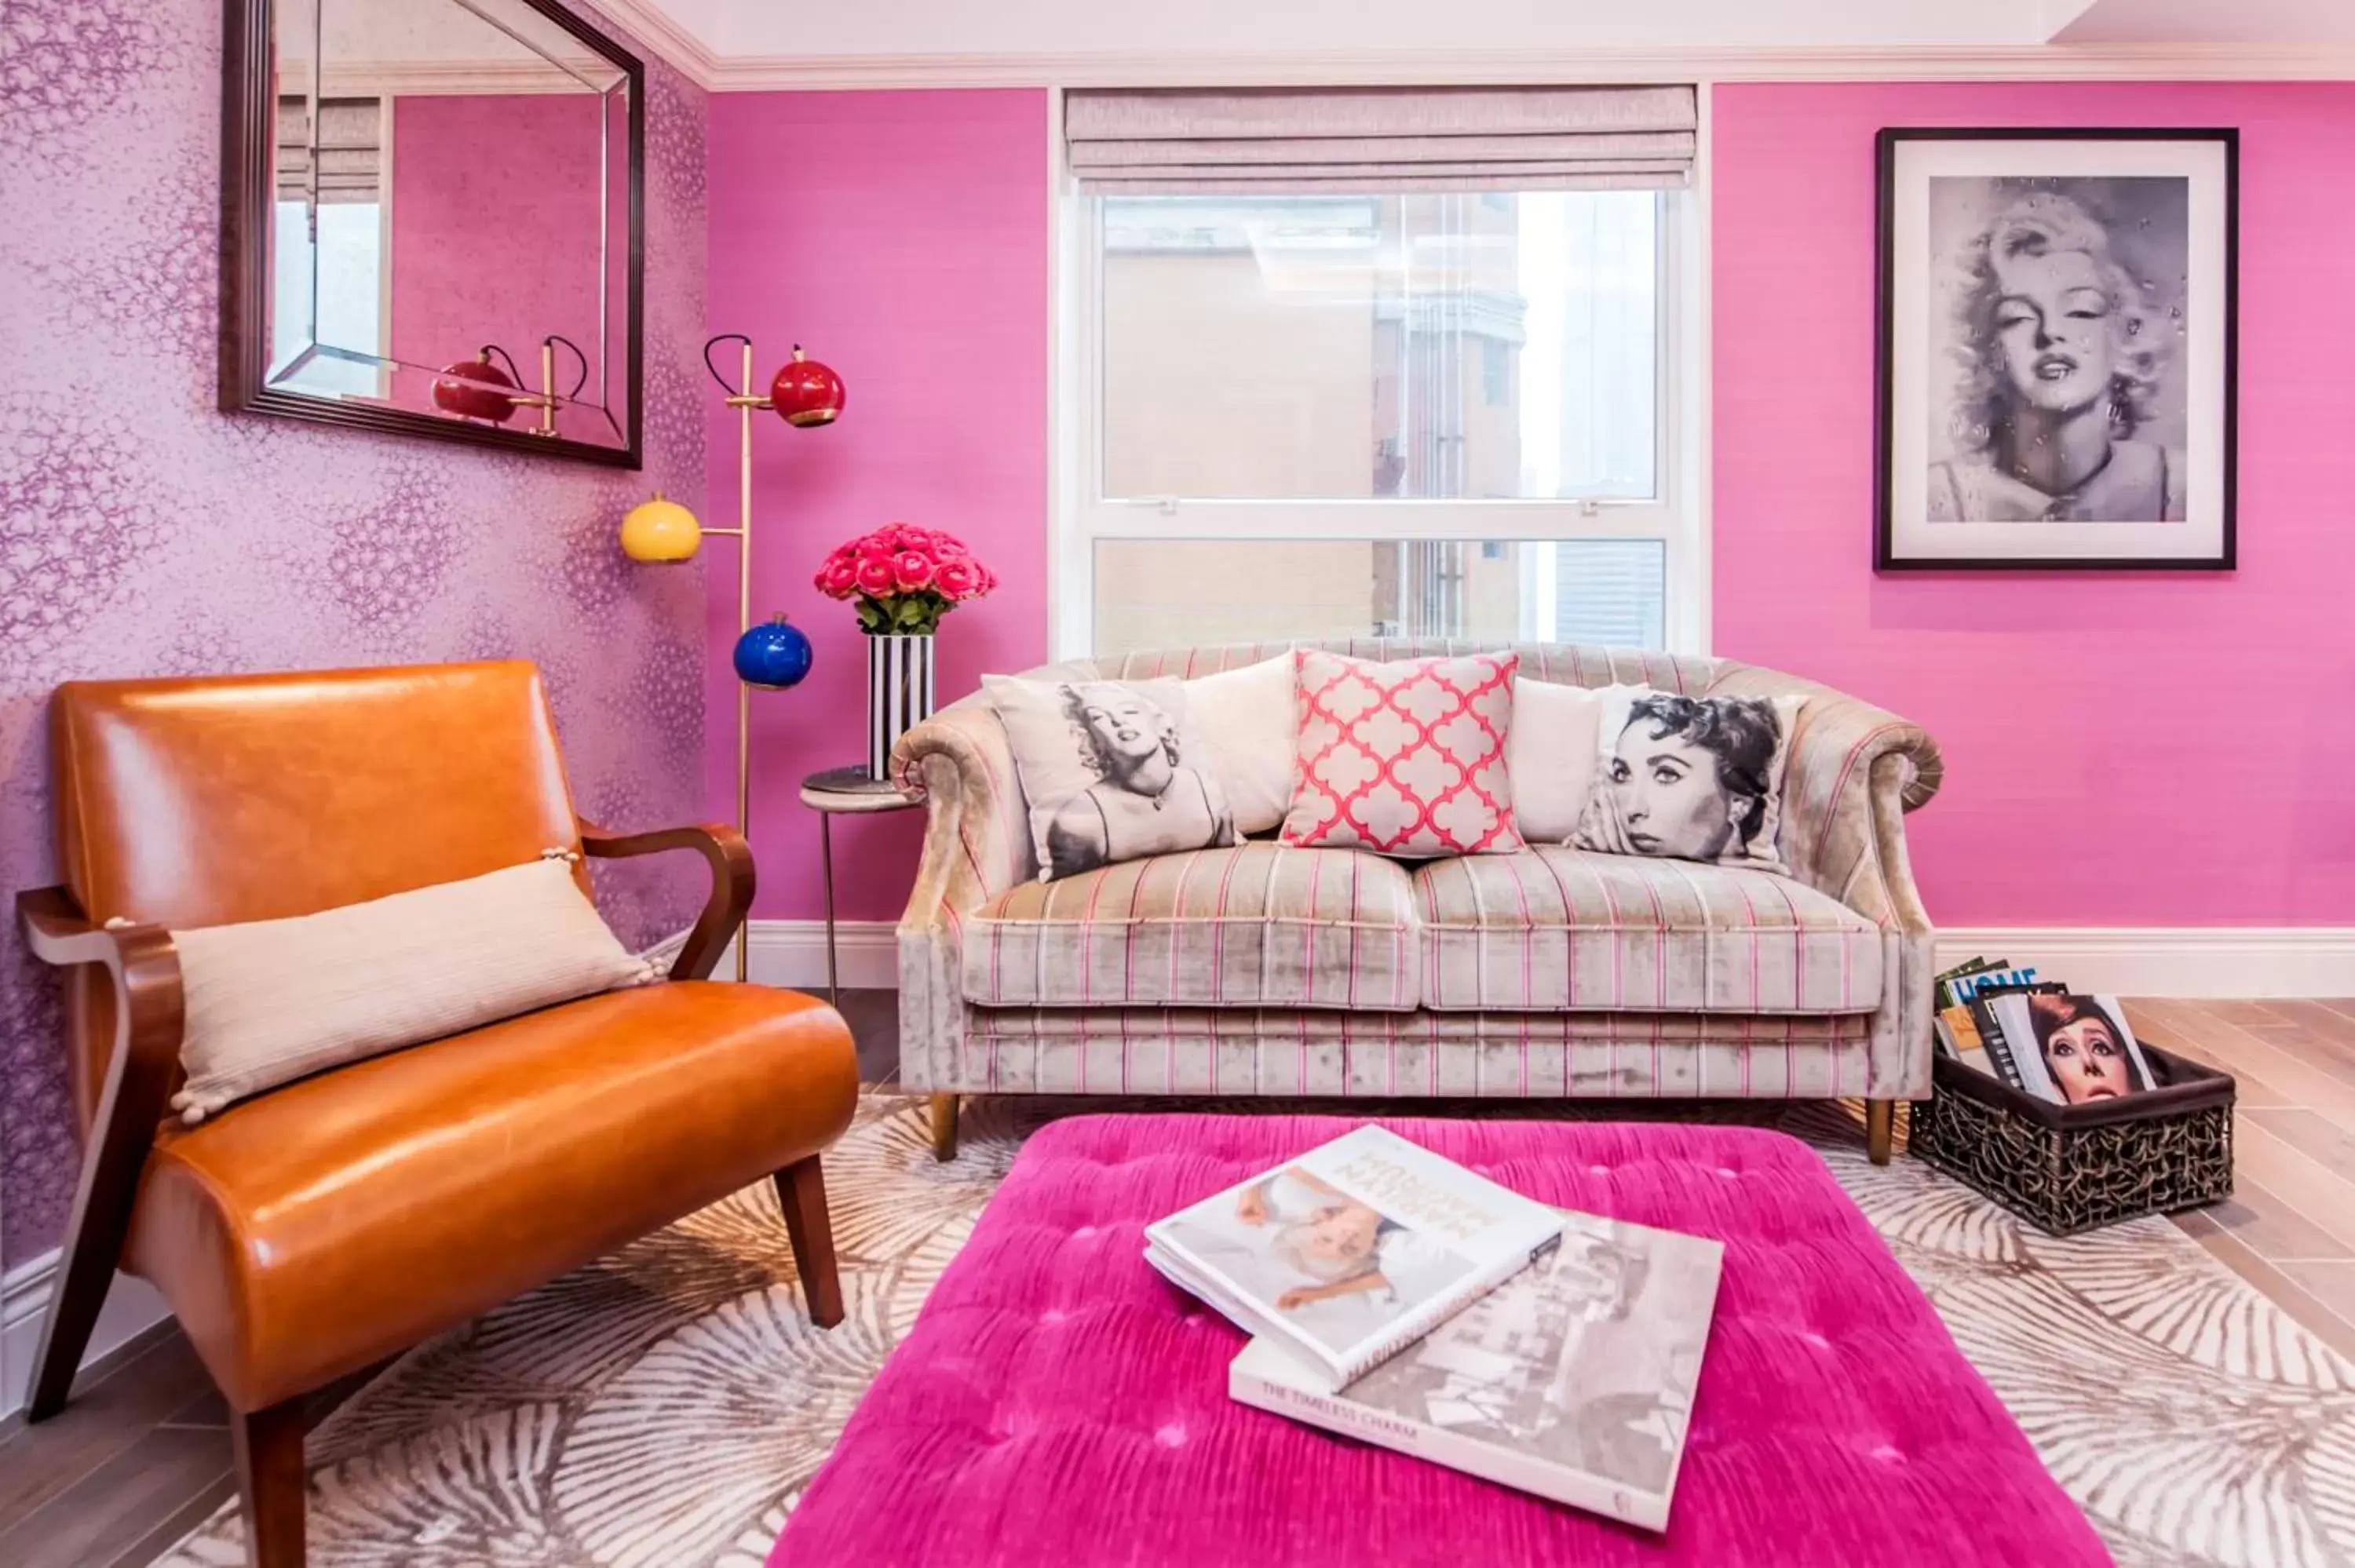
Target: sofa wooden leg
801 1193
1879 1128
271 1482
944 1127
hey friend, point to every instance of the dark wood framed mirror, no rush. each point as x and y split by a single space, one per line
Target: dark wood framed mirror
433 222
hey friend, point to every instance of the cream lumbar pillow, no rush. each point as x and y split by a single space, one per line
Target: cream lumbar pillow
269 1002
1247 724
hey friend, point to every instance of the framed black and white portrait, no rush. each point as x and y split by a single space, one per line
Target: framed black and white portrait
2056 347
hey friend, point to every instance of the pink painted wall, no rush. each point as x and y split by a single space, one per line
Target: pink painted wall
493 199
2134 750
902 236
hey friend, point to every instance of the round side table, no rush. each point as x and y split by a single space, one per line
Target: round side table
844 792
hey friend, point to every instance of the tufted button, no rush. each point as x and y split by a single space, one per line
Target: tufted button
1050 1315
1728 1171
1083 1233
1598 1170
1888 1456
1171 1436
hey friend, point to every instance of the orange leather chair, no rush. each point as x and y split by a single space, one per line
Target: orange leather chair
314 1230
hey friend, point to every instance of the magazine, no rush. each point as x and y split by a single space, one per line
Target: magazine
1574 1380
2071 1050
1942 989
1353 1251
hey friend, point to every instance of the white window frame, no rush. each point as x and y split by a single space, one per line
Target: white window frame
1677 517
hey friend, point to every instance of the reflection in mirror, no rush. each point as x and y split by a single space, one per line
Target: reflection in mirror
450 215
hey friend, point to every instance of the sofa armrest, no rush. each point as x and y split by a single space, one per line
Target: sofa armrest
976 830
1854 771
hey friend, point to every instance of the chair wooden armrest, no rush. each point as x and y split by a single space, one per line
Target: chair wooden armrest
733 879
149 1019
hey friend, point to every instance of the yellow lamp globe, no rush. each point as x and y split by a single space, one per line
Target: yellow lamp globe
661 532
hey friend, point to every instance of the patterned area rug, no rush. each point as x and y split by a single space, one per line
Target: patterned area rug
663 1407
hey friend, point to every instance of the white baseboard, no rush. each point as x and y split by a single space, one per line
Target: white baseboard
791 953
2192 961
132 1308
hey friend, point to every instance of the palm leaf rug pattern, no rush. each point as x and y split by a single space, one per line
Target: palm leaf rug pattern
663 1407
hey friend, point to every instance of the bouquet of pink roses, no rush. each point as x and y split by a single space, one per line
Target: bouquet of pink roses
904 578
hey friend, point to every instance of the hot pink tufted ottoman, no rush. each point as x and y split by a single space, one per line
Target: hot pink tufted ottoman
1057 1403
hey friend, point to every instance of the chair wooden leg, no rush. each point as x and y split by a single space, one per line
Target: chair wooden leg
1879 1128
83 1276
801 1193
945 1128
271 1482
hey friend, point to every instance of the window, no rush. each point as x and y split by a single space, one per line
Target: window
1424 413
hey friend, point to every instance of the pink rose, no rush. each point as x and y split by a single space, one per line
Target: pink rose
915 569
914 538
875 579
840 580
947 546
849 551
957 577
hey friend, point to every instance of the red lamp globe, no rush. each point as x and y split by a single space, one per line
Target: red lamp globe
468 389
806 392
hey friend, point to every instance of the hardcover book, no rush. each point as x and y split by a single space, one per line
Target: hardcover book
1352 1251
1574 1380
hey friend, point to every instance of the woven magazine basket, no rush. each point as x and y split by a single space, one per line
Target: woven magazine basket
2067 1169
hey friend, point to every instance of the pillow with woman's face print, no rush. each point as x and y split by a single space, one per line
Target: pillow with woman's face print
1688 778
1111 770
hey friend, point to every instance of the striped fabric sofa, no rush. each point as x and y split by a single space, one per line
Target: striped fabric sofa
1263 970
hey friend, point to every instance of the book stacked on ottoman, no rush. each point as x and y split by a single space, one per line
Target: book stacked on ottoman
1397 1298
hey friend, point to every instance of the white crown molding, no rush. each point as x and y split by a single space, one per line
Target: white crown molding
2125 62
132 1308
443 79
653 29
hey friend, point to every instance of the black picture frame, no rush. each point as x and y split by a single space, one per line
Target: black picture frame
249 123
1889 556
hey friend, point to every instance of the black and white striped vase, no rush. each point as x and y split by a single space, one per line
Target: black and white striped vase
898 694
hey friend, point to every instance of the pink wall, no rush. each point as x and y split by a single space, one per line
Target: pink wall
902 236
492 197
166 538
2133 749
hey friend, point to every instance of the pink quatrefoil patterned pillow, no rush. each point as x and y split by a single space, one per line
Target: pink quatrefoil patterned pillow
1404 758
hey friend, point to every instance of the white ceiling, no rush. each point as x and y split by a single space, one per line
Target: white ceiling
770 42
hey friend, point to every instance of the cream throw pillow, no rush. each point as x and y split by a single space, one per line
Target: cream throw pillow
1551 752
272 1000
1246 721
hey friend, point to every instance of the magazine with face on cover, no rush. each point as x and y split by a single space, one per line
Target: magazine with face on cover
1574 1380
1351 1251
2068 1049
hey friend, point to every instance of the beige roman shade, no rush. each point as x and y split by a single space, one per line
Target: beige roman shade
1178 142
349 155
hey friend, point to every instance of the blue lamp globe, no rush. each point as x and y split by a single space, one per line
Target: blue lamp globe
773 655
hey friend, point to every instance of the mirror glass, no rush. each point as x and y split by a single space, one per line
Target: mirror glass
449 221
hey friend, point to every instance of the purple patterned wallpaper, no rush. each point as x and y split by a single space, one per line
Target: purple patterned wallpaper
144 532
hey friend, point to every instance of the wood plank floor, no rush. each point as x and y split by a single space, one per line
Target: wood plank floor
142 1454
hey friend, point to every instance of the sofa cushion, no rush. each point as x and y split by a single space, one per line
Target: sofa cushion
1556 927
1256 925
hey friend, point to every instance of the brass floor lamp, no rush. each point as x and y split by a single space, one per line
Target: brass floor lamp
773 655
